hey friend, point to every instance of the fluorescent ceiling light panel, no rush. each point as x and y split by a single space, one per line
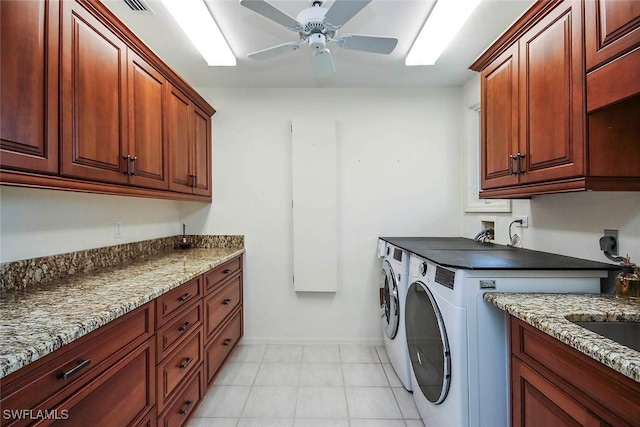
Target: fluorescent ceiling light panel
196 21
443 23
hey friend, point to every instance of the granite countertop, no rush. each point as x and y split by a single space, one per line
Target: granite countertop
40 319
549 313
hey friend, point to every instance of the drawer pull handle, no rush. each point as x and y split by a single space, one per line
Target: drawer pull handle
186 326
227 341
226 271
187 362
186 407
80 366
226 302
185 297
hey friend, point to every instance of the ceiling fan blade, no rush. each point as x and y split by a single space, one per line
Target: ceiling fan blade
373 44
270 52
323 64
270 11
343 10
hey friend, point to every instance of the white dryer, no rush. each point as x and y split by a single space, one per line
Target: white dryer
458 342
393 290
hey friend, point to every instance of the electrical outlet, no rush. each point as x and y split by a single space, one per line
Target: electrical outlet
525 221
117 229
614 234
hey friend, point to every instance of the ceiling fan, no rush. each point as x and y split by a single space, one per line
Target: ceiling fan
317 25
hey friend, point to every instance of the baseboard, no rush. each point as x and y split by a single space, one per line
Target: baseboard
312 341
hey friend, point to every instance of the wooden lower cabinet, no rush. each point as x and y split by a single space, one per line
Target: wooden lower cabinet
537 402
121 396
182 362
554 385
149 367
185 402
220 347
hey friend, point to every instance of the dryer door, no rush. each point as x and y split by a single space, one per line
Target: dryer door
427 343
389 301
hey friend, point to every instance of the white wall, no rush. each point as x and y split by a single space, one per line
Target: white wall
569 224
36 223
398 155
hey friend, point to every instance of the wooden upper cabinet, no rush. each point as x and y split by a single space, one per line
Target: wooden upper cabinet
189 145
612 27
499 111
575 130
533 101
552 96
29 85
148 139
178 122
94 101
86 106
201 152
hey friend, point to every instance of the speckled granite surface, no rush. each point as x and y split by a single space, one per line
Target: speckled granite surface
549 313
36 320
21 274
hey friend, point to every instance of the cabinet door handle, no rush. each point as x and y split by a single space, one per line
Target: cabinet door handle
186 407
186 326
226 271
226 301
187 362
135 165
80 366
127 158
227 341
520 156
512 158
185 297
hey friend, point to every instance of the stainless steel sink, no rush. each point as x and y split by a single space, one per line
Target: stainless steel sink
625 333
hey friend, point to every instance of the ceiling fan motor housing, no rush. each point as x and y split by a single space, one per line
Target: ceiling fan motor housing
317 41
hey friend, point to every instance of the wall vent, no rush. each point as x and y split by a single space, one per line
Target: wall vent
139 6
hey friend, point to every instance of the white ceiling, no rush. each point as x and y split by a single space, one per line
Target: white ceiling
247 32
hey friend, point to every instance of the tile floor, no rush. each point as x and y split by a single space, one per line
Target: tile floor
307 386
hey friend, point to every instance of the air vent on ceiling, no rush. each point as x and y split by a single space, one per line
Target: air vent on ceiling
139 6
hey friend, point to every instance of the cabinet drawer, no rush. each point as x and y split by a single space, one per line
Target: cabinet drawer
122 396
173 301
222 303
174 332
42 384
215 277
218 350
178 365
185 404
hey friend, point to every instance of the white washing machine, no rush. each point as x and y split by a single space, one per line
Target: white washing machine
458 342
393 290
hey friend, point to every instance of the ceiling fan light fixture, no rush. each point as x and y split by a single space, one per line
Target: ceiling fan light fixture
198 24
445 20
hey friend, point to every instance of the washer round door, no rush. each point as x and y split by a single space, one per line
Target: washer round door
427 343
389 301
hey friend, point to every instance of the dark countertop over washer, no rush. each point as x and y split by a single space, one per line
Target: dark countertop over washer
459 252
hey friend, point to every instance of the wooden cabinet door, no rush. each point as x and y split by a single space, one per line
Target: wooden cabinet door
537 402
122 396
612 27
552 102
147 136
94 98
178 122
499 112
29 85
201 159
